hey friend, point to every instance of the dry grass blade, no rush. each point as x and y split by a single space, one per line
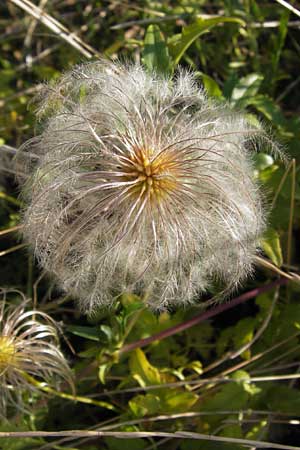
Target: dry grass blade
289 7
57 28
10 230
148 434
12 249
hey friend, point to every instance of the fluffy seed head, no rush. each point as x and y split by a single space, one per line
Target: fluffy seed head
28 347
7 352
141 183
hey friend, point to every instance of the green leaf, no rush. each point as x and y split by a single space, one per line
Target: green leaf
176 402
211 86
91 333
245 89
244 378
142 370
258 431
196 366
121 444
102 371
90 352
266 106
231 396
224 340
178 44
282 398
238 335
144 405
155 55
243 334
271 246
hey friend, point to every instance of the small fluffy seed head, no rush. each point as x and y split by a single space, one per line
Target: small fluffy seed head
29 347
141 183
7 352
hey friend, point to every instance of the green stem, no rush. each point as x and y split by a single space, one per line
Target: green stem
75 398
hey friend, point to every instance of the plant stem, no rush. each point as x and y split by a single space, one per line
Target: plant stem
64 395
203 316
146 434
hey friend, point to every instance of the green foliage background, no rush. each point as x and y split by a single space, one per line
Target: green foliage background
237 374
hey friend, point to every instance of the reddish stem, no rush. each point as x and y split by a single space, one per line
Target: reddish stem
203 316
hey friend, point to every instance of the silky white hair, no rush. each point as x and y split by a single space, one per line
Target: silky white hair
29 347
143 184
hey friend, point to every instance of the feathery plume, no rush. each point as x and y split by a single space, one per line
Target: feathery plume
28 347
141 184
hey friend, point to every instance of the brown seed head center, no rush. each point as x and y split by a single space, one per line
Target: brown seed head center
151 175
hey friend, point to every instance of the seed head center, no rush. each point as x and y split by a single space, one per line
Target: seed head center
152 175
7 352
146 174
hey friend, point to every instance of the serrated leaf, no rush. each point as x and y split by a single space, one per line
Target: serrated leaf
155 54
272 247
144 372
178 44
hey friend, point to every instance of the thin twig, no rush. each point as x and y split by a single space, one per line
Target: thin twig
11 230
203 316
259 331
288 6
291 216
32 90
187 415
267 264
280 186
57 28
253 359
202 382
288 89
231 355
32 25
169 18
75 398
273 24
12 249
37 58
146 434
